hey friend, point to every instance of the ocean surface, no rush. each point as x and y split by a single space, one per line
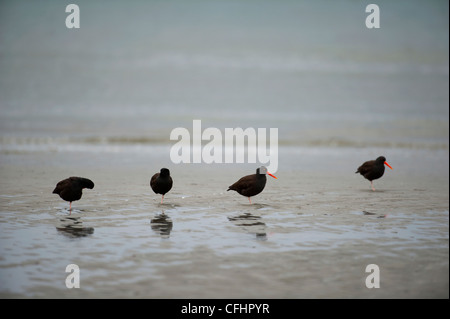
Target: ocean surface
134 71
103 100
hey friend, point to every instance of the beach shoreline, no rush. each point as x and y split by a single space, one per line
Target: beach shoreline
309 234
106 101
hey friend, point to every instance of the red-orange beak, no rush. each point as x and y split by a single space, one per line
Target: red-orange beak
388 165
271 175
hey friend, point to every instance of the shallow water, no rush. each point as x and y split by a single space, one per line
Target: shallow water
125 242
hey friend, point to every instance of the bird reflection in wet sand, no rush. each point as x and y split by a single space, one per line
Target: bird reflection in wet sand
252 224
162 224
72 226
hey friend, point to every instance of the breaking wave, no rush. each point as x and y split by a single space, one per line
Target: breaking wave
143 143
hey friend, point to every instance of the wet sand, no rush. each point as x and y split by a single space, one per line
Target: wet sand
310 234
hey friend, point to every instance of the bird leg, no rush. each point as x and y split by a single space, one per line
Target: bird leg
371 184
249 200
162 198
70 208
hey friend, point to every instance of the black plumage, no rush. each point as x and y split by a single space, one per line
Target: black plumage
251 185
70 189
161 183
374 169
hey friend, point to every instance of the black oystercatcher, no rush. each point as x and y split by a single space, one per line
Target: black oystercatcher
373 169
161 182
70 189
251 185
